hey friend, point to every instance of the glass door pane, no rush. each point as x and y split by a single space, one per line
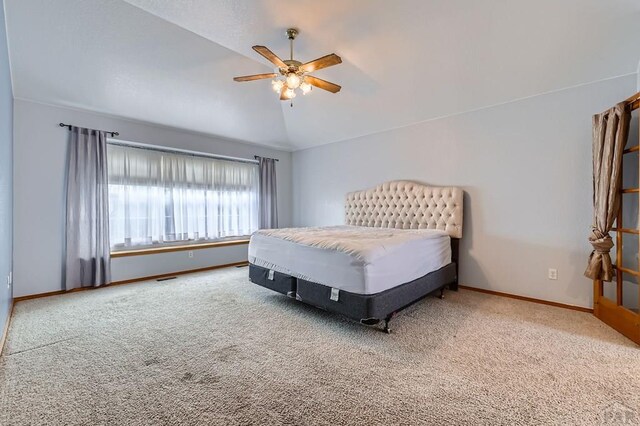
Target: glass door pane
630 292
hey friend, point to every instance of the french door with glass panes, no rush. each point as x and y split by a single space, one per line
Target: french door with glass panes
617 303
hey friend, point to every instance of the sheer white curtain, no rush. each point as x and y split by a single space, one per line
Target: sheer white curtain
158 197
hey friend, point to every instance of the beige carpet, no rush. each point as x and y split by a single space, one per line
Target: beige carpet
211 348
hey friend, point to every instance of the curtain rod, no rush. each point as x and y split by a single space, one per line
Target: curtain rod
112 133
257 156
168 150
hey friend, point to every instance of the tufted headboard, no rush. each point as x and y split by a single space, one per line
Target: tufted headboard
407 205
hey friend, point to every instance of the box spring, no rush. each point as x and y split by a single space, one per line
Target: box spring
366 308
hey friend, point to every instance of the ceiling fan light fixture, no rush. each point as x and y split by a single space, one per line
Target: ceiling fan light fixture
293 80
277 85
290 93
305 87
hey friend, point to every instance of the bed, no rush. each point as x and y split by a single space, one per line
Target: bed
399 244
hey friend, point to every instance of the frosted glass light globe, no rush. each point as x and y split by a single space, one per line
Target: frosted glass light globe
305 87
277 85
290 94
293 80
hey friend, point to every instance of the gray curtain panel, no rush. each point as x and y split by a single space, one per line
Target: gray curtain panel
268 193
610 132
88 260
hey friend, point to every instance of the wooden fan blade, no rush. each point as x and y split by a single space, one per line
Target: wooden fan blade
324 62
270 56
255 77
282 96
322 84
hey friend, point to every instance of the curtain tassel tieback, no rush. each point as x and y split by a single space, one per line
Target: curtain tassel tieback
600 266
602 242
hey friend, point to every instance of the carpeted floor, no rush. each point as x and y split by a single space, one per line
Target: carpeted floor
212 348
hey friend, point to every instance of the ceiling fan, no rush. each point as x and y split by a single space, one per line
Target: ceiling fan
294 74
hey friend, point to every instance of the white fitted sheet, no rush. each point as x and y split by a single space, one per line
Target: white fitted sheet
361 260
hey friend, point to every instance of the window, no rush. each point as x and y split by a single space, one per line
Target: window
158 197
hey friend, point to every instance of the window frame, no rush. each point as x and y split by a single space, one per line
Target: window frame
121 250
171 247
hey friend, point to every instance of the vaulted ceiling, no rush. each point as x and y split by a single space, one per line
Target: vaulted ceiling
172 62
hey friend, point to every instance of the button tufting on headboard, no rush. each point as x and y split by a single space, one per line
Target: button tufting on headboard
407 205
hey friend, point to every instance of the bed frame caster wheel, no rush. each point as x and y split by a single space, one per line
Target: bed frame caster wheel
441 296
387 329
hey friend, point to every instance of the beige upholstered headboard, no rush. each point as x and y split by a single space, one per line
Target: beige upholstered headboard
407 205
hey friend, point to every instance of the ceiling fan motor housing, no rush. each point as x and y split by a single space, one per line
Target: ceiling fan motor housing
292 66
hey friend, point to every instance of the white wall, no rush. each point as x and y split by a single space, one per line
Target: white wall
39 170
525 167
6 146
125 268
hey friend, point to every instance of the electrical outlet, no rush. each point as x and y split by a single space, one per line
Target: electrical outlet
190 254
553 274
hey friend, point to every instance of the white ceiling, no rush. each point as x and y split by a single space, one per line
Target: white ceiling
172 62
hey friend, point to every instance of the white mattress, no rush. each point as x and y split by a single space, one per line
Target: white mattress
356 259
